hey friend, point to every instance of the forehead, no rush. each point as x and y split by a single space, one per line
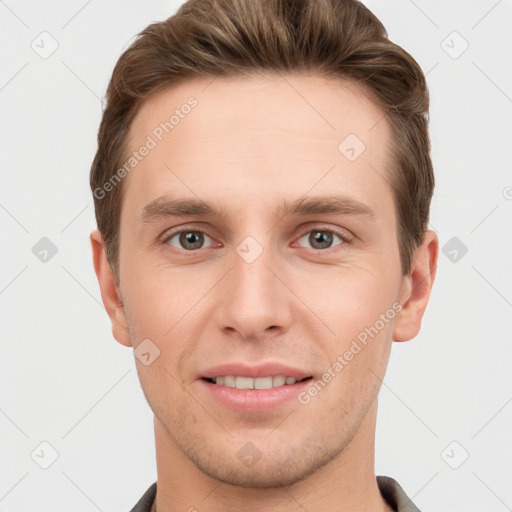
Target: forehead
272 135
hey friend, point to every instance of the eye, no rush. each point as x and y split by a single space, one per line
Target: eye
188 239
323 238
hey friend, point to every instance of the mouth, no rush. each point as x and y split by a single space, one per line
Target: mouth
253 394
241 382
253 387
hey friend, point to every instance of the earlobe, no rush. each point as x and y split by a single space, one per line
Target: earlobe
109 290
416 289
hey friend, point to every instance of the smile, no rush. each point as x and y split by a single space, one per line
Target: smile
240 382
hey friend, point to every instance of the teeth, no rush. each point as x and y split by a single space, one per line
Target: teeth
264 383
244 383
250 383
278 381
229 381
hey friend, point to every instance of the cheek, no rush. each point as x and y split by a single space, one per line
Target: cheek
353 298
357 361
359 308
158 295
166 306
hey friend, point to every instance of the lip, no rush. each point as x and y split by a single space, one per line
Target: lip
253 400
270 369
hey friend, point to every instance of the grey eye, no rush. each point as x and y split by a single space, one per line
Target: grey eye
189 240
321 238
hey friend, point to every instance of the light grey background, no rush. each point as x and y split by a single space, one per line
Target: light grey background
65 381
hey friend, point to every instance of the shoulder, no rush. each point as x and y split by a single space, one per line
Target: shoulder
393 493
146 501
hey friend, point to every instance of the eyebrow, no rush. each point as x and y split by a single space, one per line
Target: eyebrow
165 207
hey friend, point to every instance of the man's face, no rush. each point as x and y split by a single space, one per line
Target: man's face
259 285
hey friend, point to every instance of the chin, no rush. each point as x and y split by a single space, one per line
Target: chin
266 475
278 466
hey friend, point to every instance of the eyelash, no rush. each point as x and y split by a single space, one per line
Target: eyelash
345 239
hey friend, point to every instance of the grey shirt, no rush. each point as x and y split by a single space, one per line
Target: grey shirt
388 487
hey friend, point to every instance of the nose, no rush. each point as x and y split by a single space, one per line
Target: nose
254 303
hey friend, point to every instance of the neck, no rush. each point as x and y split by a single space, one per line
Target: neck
346 483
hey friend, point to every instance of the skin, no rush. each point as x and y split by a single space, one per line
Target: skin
249 145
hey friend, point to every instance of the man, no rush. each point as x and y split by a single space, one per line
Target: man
262 188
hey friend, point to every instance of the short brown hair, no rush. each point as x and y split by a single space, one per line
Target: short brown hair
332 38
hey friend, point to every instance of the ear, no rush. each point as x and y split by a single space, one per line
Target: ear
109 290
416 288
